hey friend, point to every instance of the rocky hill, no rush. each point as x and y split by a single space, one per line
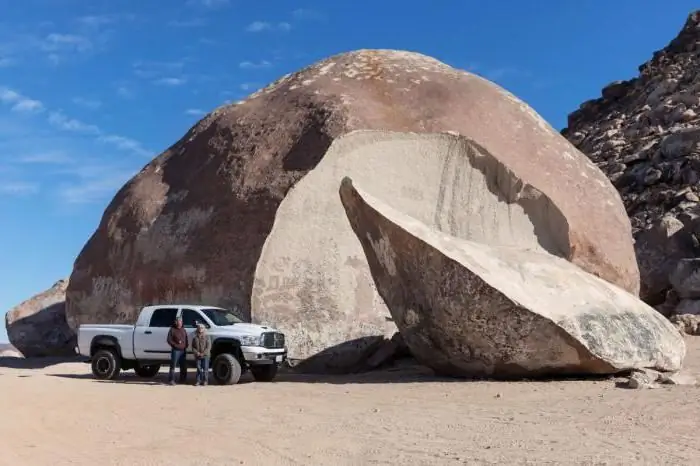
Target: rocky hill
643 133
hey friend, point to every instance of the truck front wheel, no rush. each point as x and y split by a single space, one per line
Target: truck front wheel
226 369
264 373
106 364
147 372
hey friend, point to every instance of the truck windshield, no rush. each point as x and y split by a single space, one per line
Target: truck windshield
221 317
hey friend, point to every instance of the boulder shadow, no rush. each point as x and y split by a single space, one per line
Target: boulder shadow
133 379
50 334
37 363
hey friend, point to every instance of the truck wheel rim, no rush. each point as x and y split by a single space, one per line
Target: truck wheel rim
103 365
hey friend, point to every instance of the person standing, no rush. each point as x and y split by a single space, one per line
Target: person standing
201 347
177 339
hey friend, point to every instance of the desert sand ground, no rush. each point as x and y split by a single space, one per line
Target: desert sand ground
58 414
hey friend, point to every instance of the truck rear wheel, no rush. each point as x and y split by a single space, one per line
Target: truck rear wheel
226 369
106 364
147 372
264 373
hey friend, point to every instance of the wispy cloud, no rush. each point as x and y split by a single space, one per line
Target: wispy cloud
170 81
6 62
18 188
261 26
55 42
195 112
187 23
19 102
250 65
48 158
308 14
92 104
59 120
208 3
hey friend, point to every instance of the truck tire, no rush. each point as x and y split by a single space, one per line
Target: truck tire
226 369
264 373
147 372
106 364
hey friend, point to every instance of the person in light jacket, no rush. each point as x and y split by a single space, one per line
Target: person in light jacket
201 347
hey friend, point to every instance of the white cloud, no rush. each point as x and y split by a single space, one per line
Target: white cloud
125 92
208 3
125 143
249 65
49 158
170 81
260 26
96 20
187 23
308 14
18 188
61 121
195 112
20 103
87 103
66 42
249 86
6 62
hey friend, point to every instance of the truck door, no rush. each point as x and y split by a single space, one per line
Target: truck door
151 342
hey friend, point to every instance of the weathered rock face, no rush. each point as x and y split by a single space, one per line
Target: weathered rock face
470 309
37 327
643 132
200 223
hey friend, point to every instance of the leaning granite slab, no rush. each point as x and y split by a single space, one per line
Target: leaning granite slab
468 309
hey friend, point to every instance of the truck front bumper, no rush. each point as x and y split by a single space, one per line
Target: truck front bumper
260 356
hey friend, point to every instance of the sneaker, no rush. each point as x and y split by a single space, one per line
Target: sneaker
205 383
197 384
172 382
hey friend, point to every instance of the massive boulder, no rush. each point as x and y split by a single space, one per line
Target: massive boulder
466 308
201 224
37 327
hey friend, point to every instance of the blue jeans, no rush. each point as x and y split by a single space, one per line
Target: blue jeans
202 370
177 358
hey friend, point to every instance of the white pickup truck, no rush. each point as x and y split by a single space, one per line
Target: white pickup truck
236 346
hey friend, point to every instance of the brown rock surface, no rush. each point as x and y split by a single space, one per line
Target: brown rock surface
192 224
37 327
470 309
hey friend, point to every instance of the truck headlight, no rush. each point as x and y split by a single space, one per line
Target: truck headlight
249 340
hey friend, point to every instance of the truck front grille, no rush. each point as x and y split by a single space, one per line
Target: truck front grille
273 340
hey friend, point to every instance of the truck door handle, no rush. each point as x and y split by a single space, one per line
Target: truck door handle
147 332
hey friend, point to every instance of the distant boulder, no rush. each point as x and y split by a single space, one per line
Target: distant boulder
477 310
37 327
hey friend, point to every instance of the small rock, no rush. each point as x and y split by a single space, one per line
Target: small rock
678 378
643 379
652 176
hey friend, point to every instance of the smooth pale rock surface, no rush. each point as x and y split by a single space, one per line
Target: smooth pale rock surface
37 327
191 226
471 309
312 278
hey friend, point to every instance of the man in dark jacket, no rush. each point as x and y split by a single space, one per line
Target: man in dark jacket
177 339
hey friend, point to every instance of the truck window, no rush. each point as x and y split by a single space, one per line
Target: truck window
190 318
163 317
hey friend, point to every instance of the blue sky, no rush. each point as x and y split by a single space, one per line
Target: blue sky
91 90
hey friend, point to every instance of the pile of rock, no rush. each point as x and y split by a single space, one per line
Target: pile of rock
643 133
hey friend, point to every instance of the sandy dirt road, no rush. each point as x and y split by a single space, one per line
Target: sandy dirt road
59 415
